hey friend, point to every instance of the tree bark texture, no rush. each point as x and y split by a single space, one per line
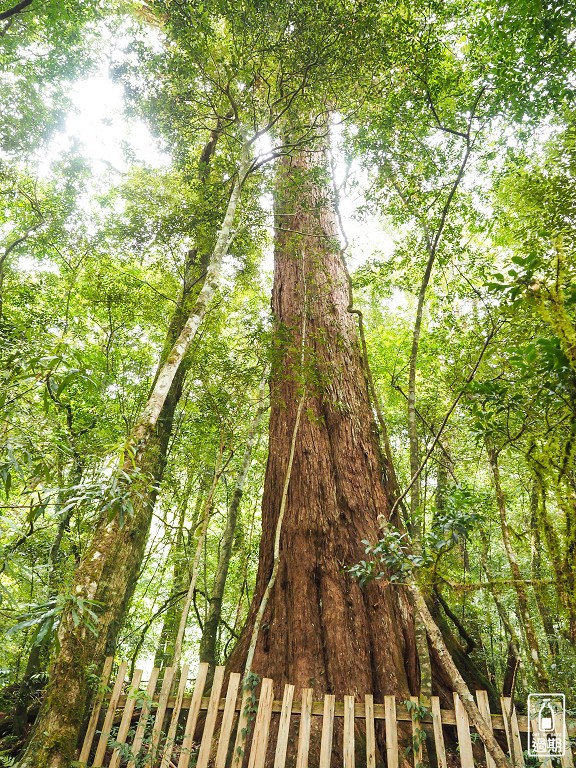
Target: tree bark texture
320 628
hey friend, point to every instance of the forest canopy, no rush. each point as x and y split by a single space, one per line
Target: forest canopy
287 350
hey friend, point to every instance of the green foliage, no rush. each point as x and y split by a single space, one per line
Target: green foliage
456 124
455 522
391 557
46 616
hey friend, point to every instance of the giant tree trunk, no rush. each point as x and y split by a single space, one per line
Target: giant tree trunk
320 628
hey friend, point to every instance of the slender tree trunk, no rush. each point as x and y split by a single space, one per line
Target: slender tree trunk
445 659
210 632
542 598
108 571
39 654
180 580
556 553
320 628
164 650
519 584
514 657
567 502
205 521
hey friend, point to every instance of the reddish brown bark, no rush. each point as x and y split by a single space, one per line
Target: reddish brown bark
321 628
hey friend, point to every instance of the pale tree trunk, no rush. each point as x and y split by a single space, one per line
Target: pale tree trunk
514 660
109 568
433 244
483 728
180 579
540 592
556 551
205 521
566 495
416 512
210 631
519 584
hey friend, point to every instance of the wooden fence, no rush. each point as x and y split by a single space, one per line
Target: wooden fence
135 727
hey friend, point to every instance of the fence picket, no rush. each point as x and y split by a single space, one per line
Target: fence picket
304 731
391 731
415 734
227 720
241 730
327 731
192 718
262 725
211 715
126 717
438 733
169 747
348 746
143 719
284 727
484 707
370 735
160 713
463 729
116 691
216 750
512 732
93 722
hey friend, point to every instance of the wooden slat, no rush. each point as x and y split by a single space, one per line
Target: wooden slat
304 730
370 735
416 726
348 709
348 745
144 713
262 725
463 729
105 734
160 713
512 731
284 728
192 718
241 730
327 731
227 720
448 717
211 715
126 717
93 722
438 733
391 732
484 707
171 735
